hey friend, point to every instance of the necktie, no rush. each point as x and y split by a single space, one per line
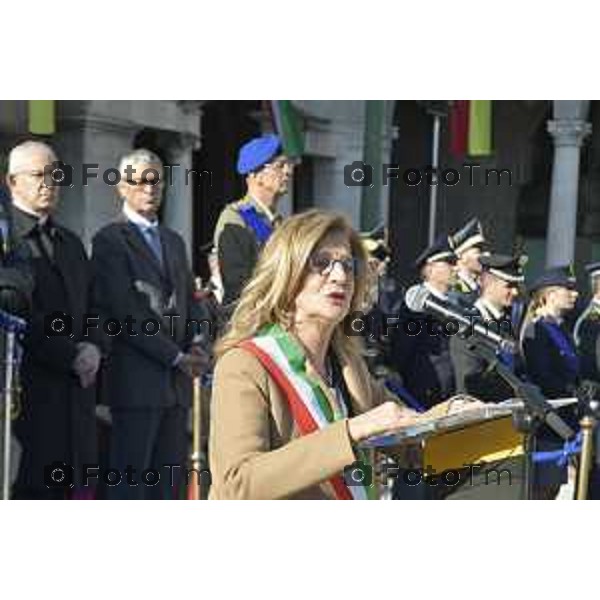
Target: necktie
153 239
44 237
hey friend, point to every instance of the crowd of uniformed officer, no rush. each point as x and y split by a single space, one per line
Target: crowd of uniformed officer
459 271
462 273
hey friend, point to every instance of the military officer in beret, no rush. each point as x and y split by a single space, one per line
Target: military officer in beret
468 244
244 226
552 362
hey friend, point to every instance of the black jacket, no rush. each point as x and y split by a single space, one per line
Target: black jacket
126 278
474 374
57 419
423 360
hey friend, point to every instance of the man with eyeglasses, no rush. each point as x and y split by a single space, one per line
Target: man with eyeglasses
421 351
244 226
57 422
142 274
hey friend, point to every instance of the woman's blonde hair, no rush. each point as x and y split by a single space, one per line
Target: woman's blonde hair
279 276
536 303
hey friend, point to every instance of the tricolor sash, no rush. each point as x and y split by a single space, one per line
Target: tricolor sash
311 407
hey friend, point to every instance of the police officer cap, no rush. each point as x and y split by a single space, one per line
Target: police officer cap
375 242
376 248
440 250
593 269
557 276
508 268
377 234
468 236
258 152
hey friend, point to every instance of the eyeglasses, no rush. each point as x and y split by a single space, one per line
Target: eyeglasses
323 264
279 165
35 175
143 182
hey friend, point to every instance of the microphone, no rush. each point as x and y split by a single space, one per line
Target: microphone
419 299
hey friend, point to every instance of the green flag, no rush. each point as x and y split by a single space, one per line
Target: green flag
370 216
480 127
289 127
41 117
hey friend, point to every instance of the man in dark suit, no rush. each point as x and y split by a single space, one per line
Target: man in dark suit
141 274
57 423
244 226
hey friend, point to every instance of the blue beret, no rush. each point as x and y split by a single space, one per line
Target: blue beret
257 152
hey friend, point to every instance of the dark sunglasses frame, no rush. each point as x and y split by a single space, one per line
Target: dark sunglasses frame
349 265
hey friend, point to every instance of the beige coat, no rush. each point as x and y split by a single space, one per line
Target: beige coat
255 449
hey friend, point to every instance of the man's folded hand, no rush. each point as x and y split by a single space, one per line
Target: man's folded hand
193 364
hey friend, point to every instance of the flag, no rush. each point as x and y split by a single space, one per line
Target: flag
41 117
289 127
458 128
371 195
480 127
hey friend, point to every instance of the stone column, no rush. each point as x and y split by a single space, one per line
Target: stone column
335 139
85 208
569 128
179 193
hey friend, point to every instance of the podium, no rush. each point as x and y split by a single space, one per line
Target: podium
445 441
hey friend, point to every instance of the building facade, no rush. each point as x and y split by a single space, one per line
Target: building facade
540 193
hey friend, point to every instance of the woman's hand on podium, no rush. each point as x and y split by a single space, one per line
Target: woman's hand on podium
461 403
385 418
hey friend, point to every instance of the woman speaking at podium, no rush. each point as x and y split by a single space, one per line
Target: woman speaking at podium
292 396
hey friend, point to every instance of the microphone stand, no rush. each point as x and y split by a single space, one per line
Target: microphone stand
11 325
537 409
591 412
